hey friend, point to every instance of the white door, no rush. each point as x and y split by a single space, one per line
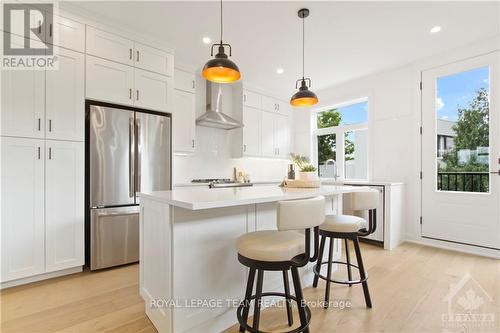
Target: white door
64 221
461 151
267 135
109 81
65 101
109 46
152 59
23 101
152 91
183 121
22 207
251 131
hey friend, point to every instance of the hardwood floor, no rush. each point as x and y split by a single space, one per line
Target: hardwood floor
407 286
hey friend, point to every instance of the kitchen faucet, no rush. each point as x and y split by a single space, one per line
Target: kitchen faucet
334 163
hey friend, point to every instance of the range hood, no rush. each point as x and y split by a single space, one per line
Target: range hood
214 117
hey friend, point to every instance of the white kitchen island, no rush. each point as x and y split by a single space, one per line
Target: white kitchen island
190 277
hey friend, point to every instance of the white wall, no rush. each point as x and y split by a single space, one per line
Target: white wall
394 122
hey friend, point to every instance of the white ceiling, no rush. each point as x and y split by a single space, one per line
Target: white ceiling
344 40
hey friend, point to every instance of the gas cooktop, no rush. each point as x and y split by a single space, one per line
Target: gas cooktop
220 182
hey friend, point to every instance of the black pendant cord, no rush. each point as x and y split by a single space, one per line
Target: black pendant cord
303 47
221 26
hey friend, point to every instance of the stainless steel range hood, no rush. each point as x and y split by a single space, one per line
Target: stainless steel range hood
214 117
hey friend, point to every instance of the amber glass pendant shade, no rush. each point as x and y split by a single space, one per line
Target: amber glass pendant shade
221 69
304 97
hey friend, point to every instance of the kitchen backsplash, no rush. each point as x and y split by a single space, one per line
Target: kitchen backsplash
213 160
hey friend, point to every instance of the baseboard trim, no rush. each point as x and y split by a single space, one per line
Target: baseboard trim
40 277
457 247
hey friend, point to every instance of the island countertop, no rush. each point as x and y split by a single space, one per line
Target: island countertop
206 198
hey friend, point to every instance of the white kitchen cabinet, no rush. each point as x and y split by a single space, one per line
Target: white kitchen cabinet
270 104
252 99
69 34
252 119
65 100
109 46
153 59
152 91
184 81
267 135
23 103
281 135
183 121
22 207
109 81
283 107
64 220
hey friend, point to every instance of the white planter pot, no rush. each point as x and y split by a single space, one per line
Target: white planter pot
310 175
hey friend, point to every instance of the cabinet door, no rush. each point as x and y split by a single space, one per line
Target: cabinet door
152 59
22 207
267 135
23 103
283 107
64 202
282 135
109 46
183 121
252 99
152 91
108 81
251 131
67 33
269 104
184 81
65 101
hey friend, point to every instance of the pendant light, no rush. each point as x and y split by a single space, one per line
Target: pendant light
221 69
303 97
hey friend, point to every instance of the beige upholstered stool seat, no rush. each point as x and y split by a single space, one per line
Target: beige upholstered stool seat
271 245
343 223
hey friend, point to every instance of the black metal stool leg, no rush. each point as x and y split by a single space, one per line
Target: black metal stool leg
288 301
329 274
362 273
300 298
258 299
318 263
248 294
348 259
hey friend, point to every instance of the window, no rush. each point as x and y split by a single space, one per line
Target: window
341 139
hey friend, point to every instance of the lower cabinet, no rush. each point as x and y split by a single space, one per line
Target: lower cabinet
41 206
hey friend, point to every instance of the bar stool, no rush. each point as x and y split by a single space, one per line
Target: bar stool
284 250
347 227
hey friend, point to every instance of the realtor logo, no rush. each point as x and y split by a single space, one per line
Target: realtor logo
469 307
34 22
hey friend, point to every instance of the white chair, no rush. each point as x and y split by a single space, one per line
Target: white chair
347 227
281 250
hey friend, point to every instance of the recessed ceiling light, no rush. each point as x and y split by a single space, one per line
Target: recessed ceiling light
435 29
280 70
207 40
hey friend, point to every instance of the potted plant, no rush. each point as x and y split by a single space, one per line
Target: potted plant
307 170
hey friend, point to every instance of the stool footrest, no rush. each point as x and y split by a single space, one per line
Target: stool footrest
317 272
245 304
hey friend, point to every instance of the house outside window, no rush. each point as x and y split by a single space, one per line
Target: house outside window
340 139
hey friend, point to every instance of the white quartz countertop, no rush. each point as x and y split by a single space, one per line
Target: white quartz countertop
205 198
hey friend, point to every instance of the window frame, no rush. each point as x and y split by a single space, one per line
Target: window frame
339 132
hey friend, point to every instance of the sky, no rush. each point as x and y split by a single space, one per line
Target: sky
457 90
354 113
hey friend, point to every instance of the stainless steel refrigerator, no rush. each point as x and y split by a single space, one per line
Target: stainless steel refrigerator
128 151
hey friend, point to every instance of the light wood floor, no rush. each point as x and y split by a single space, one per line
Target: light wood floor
407 286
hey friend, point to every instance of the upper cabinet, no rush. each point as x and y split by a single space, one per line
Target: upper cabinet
274 105
152 59
67 33
109 46
252 99
65 99
152 91
184 81
184 112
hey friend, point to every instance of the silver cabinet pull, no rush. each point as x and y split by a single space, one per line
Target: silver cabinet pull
193 84
50 30
244 148
50 125
278 151
130 93
137 95
137 56
192 143
38 152
39 124
130 54
50 153
244 97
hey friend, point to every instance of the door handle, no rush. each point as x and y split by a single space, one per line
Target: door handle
244 148
50 153
137 56
131 159
192 143
38 152
138 152
137 95
39 124
129 93
50 125
130 54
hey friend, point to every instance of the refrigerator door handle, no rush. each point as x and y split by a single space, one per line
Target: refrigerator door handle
131 158
138 138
